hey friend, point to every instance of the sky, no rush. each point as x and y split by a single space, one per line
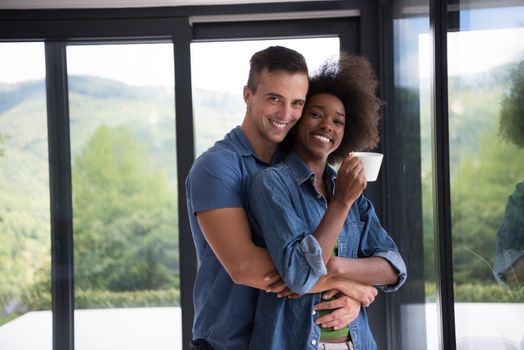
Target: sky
471 52
217 66
223 66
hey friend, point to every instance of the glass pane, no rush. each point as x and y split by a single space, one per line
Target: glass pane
124 197
25 244
218 103
412 204
486 136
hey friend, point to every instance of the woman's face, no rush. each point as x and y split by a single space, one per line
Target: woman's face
321 128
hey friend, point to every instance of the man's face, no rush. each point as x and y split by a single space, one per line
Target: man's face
277 103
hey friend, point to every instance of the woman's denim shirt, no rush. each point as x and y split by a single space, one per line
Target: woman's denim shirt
285 210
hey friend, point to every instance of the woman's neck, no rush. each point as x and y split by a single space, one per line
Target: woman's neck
317 166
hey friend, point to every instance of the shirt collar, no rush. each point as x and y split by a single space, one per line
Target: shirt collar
301 171
240 142
242 145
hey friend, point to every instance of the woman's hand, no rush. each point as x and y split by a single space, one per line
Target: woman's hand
350 180
361 292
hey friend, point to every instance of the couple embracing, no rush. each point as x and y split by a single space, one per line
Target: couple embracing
291 251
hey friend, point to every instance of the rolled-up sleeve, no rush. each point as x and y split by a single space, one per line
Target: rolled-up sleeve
397 262
504 261
296 253
376 241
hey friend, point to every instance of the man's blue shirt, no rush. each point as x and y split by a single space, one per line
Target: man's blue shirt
285 210
220 178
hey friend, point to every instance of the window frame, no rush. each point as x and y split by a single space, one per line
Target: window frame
371 30
59 28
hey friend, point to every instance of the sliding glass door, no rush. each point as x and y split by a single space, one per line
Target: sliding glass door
486 146
124 180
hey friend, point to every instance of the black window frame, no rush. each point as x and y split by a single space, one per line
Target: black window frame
371 29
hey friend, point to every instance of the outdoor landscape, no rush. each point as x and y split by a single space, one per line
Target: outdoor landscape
125 190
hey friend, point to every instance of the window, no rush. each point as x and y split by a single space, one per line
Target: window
486 146
484 65
25 249
124 179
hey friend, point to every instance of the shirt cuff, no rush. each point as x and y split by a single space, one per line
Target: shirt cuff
397 262
312 252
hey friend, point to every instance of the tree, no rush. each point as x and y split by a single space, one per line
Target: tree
125 234
511 123
481 187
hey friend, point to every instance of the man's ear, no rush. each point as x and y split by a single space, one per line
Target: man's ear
246 93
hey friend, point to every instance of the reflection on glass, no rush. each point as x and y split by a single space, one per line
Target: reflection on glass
486 118
124 197
25 245
509 259
219 72
412 162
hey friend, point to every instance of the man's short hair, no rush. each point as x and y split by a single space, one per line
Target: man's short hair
275 58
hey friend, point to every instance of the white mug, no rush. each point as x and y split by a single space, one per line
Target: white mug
371 162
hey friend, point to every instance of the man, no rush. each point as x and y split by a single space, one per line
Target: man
217 188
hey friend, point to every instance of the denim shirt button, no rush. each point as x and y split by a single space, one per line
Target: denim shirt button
314 342
314 313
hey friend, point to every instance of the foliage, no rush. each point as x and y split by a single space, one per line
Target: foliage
129 194
87 299
511 124
124 217
479 293
484 171
124 188
479 192
24 204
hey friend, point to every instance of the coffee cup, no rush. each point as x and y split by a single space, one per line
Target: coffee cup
371 162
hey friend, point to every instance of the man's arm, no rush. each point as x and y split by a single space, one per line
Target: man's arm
228 233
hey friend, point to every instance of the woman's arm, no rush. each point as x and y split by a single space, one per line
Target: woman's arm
373 270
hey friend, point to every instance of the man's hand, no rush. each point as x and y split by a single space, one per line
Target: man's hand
276 284
345 310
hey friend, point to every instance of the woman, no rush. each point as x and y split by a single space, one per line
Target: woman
298 215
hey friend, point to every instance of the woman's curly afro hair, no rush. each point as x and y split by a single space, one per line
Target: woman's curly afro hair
352 79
